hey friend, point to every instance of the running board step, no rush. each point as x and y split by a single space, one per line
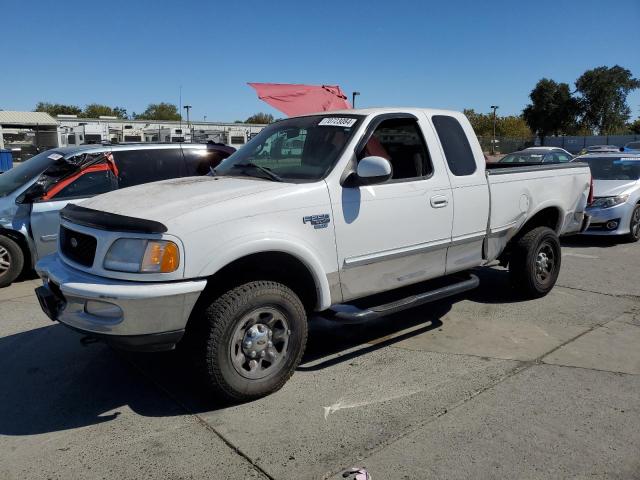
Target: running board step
346 313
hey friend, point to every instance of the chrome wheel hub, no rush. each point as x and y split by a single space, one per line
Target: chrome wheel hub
545 262
5 260
259 344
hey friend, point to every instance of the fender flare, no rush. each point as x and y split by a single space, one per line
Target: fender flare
241 247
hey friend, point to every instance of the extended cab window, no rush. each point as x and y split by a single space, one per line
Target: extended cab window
400 141
146 165
455 144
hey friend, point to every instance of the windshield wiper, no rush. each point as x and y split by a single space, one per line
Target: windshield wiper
267 171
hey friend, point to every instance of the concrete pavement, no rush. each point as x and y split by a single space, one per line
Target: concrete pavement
479 386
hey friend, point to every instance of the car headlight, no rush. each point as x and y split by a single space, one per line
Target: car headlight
138 255
607 202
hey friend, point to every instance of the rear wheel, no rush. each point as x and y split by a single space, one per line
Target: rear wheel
11 261
249 340
535 262
634 225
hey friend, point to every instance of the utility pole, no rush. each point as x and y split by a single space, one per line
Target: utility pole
493 142
353 99
187 108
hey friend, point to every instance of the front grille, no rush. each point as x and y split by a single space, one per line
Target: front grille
78 247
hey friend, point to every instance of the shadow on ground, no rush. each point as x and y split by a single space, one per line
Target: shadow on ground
52 382
591 241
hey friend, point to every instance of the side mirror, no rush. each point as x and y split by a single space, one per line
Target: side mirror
373 170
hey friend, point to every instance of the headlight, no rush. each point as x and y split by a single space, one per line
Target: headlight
137 255
607 202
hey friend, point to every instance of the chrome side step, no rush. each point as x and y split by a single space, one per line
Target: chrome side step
346 313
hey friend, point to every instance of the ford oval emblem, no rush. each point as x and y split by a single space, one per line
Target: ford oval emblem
74 242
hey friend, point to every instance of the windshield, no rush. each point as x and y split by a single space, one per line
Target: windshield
302 149
614 168
523 157
28 170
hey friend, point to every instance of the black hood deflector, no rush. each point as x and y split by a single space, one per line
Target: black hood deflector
109 221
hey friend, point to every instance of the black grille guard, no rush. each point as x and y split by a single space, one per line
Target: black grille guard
109 221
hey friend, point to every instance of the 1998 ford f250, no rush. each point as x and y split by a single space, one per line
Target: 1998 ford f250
316 215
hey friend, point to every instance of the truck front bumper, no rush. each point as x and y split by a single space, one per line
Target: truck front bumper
130 315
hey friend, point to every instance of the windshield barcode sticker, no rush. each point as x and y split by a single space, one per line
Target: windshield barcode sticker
54 156
337 122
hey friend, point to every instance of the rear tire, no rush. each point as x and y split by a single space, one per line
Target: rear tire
248 341
634 225
11 261
535 262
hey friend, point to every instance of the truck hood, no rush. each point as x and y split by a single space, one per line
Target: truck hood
612 188
166 200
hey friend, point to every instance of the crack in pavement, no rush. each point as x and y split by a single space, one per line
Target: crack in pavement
199 419
629 296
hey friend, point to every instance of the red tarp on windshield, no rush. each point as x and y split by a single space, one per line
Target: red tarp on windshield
292 99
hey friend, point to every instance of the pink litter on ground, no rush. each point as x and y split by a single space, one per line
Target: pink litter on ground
295 99
356 473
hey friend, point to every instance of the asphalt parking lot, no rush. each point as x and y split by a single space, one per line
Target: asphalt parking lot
480 386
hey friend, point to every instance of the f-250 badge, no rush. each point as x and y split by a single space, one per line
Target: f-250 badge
318 221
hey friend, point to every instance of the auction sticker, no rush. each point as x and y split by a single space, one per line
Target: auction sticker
337 122
54 156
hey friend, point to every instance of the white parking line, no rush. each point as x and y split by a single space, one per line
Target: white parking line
578 255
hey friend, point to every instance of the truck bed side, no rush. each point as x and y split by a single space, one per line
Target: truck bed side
556 193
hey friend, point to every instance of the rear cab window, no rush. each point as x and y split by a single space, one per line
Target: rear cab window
146 165
455 145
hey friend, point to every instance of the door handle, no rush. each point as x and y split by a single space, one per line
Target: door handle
49 238
439 201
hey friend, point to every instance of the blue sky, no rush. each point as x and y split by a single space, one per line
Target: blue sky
449 54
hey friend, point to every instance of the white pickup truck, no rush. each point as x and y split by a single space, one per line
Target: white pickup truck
316 215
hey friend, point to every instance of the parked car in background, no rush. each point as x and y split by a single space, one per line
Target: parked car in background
631 147
32 193
599 149
535 155
615 209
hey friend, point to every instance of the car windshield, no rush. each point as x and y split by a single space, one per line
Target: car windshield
523 157
614 168
23 172
302 149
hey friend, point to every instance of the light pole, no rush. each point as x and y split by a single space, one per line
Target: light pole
187 108
353 99
493 142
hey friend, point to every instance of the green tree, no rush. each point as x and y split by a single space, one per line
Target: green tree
260 118
159 111
482 123
57 109
552 109
95 110
513 126
634 127
603 98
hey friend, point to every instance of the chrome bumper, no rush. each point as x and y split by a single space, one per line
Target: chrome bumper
115 309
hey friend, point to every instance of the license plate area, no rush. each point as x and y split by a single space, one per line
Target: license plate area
51 299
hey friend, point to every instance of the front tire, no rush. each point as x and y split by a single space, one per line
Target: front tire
634 225
249 340
535 262
11 261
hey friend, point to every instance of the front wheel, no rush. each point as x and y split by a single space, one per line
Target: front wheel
11 261
634 225
535 262
250 340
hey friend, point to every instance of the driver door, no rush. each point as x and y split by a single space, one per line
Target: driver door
394 233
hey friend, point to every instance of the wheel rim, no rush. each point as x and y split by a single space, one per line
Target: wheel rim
259 344
635 223
545 262
5 260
